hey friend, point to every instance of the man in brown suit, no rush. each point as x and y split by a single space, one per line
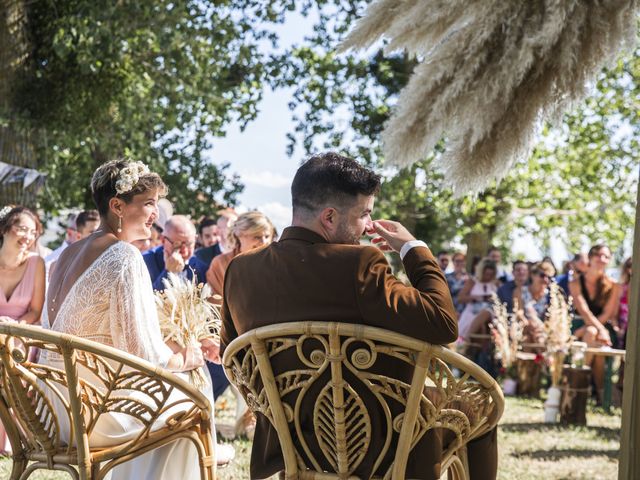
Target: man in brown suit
319 271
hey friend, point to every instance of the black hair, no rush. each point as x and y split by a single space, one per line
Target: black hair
331 178
206 222
86 216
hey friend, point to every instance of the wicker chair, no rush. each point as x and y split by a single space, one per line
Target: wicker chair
34 430
342 359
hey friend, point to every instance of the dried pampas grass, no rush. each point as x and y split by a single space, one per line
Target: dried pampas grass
507 331
558 329
187 316
492 71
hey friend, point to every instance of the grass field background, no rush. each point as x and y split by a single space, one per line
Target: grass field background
529 448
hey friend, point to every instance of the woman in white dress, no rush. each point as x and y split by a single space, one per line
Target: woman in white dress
101 290
476 296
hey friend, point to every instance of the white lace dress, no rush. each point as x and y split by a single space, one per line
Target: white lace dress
112 303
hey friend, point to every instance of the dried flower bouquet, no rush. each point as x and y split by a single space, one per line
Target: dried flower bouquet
187 316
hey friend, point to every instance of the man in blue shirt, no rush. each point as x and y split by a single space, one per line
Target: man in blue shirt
175 254
520 279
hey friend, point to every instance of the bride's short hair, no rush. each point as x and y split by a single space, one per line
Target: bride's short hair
104 184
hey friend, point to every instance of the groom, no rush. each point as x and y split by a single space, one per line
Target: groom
318 271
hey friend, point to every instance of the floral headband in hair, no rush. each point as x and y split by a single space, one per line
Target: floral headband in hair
4 212
128 176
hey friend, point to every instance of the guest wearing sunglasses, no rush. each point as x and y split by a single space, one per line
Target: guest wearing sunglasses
532 300
175 254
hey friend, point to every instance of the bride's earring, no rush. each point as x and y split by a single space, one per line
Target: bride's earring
119 230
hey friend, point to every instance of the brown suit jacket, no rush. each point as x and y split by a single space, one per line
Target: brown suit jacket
302 277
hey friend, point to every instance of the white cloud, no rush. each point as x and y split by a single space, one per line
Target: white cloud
265 179
278 213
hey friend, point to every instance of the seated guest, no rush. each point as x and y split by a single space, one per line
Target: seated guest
532 301
155 240
208 237
175 254
319 271
444 259
495 255
476 295
577 265
457 279
595 299
225 220
86 222
251 230
623 311
520 278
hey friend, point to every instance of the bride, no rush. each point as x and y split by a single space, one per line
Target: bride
100 290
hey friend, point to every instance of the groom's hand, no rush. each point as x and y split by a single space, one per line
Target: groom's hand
391 235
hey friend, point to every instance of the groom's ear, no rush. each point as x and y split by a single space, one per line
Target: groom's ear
328 218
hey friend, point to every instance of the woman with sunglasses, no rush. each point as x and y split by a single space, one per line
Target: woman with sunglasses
531 301
22 282
595 298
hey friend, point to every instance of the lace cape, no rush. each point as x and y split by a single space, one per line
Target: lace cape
112 302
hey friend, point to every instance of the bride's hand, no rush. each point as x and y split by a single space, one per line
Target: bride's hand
193 357
211 350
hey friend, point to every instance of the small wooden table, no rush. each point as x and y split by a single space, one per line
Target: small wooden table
609 354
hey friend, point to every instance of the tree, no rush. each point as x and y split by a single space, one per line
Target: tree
577 178
149 80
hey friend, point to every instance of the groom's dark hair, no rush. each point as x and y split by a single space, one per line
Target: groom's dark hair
329 179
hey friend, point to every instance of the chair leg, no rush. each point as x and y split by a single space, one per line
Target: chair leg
206 449
462 454
18 468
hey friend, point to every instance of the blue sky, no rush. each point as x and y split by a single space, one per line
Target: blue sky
259 156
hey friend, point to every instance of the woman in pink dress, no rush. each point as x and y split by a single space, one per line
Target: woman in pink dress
21 272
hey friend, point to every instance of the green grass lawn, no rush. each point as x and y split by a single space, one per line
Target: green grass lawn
529 449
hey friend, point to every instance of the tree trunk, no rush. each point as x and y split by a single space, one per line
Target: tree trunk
16 147
477 245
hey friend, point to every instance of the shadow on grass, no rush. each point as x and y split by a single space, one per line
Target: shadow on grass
602 432
566 453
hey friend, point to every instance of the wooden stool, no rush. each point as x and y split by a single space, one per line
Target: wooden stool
528 374
575 388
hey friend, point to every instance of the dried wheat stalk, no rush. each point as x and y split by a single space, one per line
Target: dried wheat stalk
507 333
187 316
493 70
558 329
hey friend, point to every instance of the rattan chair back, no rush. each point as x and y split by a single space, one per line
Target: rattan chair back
87 380
287 370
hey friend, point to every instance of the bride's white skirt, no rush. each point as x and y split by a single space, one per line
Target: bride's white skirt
177 460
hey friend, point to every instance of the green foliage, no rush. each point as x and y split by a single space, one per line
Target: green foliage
150 80
581 178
